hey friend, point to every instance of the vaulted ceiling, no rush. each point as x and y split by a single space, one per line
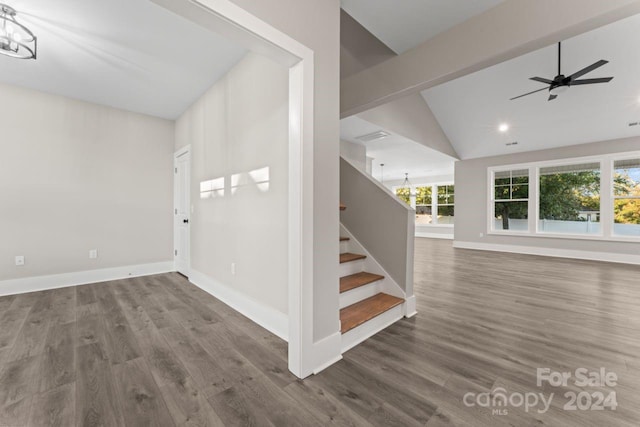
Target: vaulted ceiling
404 24
471 108
128 54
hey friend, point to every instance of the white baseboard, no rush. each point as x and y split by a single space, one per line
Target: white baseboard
327 352
552 252
410 307
63 280
269 318
434 235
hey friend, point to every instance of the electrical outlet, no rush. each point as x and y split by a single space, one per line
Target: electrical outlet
481 234
233 268
93 254
20 260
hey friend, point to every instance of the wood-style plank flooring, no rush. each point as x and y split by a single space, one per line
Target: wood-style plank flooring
157 351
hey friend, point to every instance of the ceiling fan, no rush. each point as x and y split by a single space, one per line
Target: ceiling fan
560 83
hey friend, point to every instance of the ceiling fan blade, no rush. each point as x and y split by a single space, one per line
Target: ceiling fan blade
588 69
552 97
541 80
591 81
520 96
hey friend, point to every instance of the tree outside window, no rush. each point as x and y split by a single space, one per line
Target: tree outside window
404 194
446 204
511 195
626 193
424 208
570 199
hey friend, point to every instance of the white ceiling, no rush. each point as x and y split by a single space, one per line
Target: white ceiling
128 54
404 24
399 155
470 108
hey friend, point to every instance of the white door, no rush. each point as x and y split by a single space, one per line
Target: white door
182 210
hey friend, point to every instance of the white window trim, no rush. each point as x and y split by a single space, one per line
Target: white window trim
434 201
606 162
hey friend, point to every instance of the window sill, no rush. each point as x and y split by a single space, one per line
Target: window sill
593 237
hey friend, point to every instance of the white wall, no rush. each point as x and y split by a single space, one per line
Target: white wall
238 126
472 198
316 24
76 176
355 153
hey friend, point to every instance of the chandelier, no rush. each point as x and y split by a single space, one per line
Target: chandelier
15 39
407 185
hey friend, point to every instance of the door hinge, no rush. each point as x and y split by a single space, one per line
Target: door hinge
175 252
176 211
176 170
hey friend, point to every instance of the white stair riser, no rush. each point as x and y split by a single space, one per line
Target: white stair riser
344 247
353 267
358 294
372 327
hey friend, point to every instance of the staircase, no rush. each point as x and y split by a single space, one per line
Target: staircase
369 301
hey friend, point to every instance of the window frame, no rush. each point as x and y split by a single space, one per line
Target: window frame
493 200
434 200
606 162
613 197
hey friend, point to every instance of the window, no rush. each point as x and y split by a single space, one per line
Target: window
434 204
569 199
404 194
446 201
626 197
511 200
424 207
595 198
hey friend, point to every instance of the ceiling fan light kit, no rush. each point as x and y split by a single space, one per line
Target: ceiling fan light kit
562 83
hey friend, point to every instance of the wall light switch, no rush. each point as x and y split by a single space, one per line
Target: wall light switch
233 268
93 254
20 260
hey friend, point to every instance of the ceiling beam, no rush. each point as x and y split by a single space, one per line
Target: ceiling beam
511 29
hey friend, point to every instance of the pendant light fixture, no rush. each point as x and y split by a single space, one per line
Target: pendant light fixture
406 184
16 40
382 173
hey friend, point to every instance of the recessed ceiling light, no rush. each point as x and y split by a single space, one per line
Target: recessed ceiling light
503 127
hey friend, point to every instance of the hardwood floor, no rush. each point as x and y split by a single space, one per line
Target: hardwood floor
158 351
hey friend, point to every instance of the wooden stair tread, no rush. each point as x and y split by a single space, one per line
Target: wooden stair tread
344 239
342 207
353 281
360 312
348 257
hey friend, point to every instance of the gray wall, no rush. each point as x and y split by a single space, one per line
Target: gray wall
76 176
472 198
382 223
241 124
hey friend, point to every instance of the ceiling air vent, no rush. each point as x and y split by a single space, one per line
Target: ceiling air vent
633 124
373 136
508 144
